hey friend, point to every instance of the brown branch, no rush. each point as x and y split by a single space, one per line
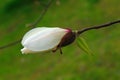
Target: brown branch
31 25
10 44
98 27
41 15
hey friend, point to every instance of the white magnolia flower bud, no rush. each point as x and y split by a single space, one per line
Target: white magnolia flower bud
44 39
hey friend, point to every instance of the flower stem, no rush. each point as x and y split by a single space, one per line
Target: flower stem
97 27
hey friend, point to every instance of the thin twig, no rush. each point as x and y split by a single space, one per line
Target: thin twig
41 15
10 44
98 27
32 25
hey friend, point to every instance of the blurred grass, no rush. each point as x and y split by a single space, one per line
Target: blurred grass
73 64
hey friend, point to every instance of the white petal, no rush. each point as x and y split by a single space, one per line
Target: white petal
25 51
46 39
32 32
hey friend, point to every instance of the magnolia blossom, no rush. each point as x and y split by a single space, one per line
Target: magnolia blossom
45 39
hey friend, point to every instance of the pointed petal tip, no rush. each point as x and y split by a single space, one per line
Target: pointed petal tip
25 51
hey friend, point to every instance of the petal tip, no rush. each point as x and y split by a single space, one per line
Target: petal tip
25 51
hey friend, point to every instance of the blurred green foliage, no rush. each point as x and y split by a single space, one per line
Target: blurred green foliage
73 64
93 1
17 4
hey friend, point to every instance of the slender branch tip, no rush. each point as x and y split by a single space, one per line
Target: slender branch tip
97 27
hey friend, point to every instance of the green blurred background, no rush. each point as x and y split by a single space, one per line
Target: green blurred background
73 64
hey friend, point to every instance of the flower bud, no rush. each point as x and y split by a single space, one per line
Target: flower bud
46 39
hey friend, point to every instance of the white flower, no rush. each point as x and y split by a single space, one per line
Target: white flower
43 39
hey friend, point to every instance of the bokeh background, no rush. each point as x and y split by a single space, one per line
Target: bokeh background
74 64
